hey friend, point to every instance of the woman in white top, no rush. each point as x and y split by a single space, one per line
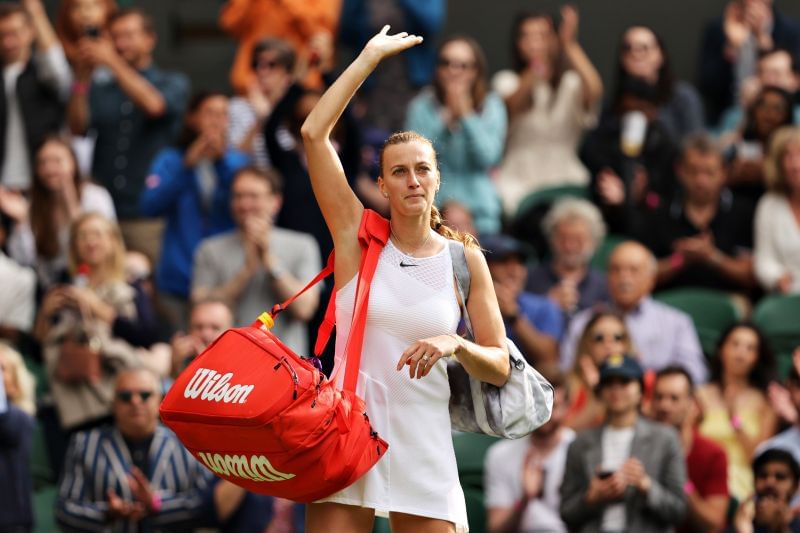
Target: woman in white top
552 97
411 322
58 197
777 221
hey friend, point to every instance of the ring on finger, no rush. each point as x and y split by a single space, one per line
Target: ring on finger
425 359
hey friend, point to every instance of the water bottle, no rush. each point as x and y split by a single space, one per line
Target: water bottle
82 276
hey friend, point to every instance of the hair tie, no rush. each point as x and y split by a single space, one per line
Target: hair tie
438 225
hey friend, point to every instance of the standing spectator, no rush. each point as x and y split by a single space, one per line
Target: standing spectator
628 474
134 474
730 48
303 23
771 110
703 238
58 197
706 489
605 335
736 412
208 319
776 68
662 334
17 409
642 55
388 90
574 229
273 62
523 476
467 125
769 508
134 108
18 287
190 187
36 86
260 264
552 96
82 18
777 235
532 321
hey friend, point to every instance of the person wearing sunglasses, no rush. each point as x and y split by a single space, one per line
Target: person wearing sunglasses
769 509
134 473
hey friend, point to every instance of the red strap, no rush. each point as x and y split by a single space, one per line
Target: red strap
324 273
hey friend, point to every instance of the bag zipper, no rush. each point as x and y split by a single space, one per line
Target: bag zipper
284 362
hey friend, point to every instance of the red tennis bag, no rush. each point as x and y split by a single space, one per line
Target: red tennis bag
259 415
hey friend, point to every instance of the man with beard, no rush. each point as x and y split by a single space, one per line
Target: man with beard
769 510
523 476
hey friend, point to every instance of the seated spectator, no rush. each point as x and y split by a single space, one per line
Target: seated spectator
58 197
776 68
467 125
259 264
770 111
133 108
730 47
552 97
82 18
629 473
522 477
777 476
95 327
777 235
703 238
457 216
662 334
630 156
237 510
736 412
18 287
605 335
190 186
574 229
789 439
273 62
36 86
208 319
706 489
642 55
17 409
533 322
133 474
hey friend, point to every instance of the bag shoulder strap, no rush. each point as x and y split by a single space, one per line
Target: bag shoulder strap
463 277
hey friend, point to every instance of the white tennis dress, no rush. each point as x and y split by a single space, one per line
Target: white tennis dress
410 299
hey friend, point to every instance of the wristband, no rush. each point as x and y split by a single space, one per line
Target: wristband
155 503
689 488
736 422
676 260
80 87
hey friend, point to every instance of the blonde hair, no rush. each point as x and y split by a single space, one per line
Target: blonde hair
585 339
403 137
26 383
115 264
773 165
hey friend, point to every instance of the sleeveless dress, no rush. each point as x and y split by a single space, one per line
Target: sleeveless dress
410 299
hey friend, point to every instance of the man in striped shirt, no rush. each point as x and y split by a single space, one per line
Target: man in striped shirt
134 475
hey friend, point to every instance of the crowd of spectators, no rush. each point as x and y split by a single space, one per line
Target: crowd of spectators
140 217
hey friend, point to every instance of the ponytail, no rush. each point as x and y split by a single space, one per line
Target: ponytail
467 239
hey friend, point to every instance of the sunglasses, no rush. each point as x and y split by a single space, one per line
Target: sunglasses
126 396
597 338
779 476
457 65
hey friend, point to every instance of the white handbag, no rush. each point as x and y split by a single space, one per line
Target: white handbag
512 411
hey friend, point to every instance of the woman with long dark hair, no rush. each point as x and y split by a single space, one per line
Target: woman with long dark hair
467 124
552 97
737 414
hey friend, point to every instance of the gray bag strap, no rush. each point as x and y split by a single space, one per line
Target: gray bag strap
462 275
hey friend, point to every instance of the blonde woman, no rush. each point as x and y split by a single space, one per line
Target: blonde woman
777 220
95 326
411 323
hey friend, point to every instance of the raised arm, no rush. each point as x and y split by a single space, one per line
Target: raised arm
337 201
590 78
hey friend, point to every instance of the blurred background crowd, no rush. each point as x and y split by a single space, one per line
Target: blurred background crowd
642 229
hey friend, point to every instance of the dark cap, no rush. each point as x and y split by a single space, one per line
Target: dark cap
500 247
621 366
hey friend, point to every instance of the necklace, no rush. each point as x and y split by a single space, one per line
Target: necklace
414 250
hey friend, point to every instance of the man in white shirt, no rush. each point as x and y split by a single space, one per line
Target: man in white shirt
523 476
36 86
17 292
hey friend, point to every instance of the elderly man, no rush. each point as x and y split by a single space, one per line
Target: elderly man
628 474
208 320
134 475
706 490
574 229
661 334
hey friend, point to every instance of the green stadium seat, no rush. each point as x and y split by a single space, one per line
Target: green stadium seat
779 319
711 311
470 451
41 470
600 258
44 504
476 512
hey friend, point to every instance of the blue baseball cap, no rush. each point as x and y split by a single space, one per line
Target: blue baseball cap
621 366
500 247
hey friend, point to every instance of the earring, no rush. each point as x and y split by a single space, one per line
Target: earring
386 195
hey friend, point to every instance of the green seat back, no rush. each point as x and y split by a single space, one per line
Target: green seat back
470 451
41 470
779 319
550 195
44 504
600 258
476 512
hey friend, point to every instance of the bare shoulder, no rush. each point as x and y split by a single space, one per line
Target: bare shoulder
475 259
